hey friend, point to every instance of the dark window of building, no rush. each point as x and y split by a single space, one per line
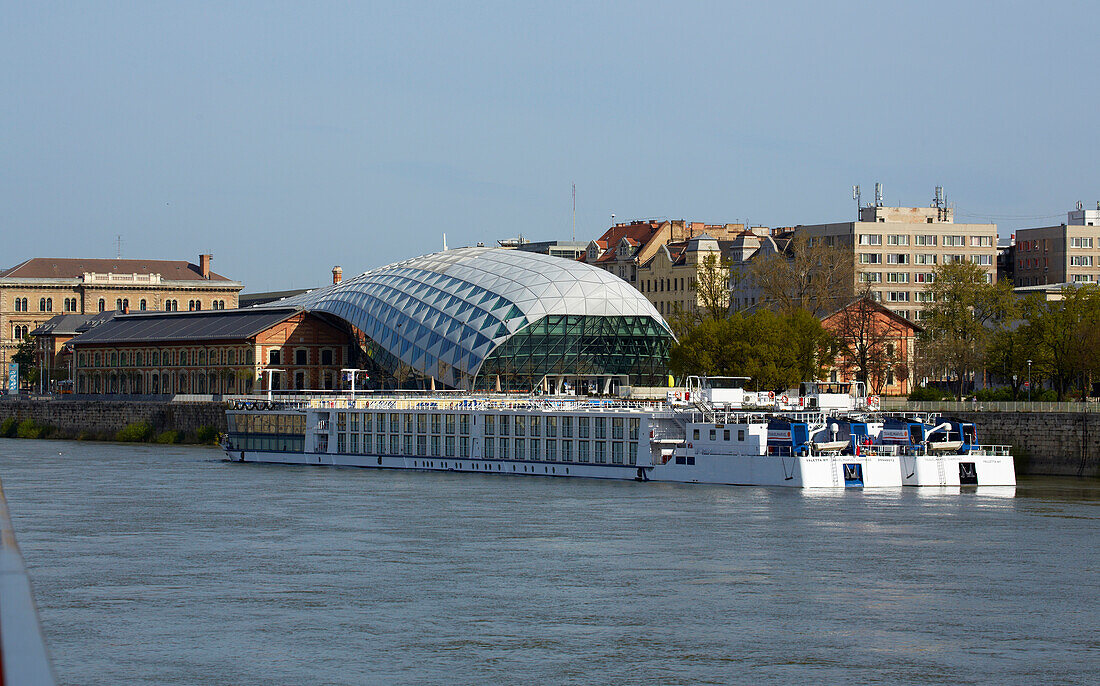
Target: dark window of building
326 357
301 357
273 357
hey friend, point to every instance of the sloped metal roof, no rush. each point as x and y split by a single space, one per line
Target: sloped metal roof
206 325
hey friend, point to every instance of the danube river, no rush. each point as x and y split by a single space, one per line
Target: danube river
165 565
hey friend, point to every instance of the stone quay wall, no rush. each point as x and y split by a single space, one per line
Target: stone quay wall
1046 443
104 418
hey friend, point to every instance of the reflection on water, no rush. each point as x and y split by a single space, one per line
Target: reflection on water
167 565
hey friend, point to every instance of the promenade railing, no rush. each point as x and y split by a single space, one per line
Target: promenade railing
948 406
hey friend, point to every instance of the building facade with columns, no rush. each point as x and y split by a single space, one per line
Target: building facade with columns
37 289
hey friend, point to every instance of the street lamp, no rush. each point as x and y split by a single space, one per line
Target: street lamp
350 374
1029 380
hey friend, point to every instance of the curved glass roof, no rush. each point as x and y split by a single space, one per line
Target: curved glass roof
441 315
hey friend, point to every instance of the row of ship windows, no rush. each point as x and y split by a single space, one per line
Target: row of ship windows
503 425
550 450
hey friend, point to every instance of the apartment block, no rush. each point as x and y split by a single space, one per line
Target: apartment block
1068 253
896 250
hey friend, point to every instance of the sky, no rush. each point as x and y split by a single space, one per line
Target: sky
286 138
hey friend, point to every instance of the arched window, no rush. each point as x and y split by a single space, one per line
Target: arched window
125 303
49 304
198 305
42 305
118 304
142 304
102 304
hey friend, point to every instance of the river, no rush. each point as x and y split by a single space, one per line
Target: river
165 565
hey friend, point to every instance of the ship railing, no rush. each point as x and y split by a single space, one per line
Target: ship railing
998 450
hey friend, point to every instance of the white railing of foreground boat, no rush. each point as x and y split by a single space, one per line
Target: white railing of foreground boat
443 401
23 655
948 406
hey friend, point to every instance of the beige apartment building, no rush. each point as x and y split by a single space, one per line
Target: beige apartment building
897 249
35 290
1069 253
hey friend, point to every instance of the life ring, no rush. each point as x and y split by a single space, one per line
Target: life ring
783 400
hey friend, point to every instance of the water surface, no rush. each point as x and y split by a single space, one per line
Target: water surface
165 565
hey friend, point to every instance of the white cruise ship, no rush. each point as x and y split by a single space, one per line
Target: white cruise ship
824 436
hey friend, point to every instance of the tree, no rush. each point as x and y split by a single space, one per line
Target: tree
775 350
869 342
964 313
712 284
1007 355
1065 338
26 356
815 278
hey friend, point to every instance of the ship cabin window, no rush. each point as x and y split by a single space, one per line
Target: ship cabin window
521 449
407 445
450 423
712 434
567 451
353 421
725 434
353 443
504 449
449 446
535 450
741 435
582 427
617 428
521 425
533 425
490 447
464 424
695 434
599 452
341 421
567 427
421 445
436 423
601 427
582 449
505 424
634 422
617 452
435 446
551 427
490 425
463 446
552 450
408 422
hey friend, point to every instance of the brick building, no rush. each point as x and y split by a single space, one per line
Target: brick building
37 289
877 344
210 352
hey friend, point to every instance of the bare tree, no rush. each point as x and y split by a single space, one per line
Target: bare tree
868 341
818 279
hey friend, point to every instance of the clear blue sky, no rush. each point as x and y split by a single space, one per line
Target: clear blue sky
286 138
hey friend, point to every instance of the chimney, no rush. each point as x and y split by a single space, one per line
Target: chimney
204 265
337 274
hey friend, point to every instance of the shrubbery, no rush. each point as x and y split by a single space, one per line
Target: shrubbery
169 436
135 432
7 429
207 434
28 428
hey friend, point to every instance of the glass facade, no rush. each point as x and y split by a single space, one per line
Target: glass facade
468 316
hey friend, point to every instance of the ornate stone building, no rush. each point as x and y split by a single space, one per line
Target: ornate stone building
35 290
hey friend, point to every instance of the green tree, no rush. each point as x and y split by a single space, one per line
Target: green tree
965 312
26 356
1065 335
775 350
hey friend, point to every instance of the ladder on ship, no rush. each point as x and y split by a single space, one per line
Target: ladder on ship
836 475
941 471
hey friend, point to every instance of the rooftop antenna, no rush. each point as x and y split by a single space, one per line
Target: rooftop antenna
1080 206
878 194
118 245
444 242
857 196
574 235
940 203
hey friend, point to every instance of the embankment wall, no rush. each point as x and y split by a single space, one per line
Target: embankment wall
103 419
1048 443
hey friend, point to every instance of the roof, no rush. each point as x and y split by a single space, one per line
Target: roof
74 268
452 309
880 308
203 325
251 299
72 324
638 233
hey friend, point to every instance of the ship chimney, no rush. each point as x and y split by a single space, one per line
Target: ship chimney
204 265
337 274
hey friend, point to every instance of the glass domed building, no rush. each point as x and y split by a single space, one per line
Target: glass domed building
488 318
